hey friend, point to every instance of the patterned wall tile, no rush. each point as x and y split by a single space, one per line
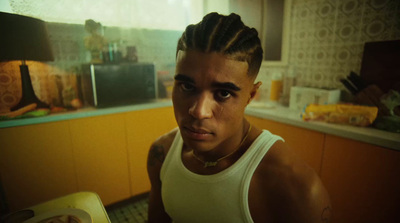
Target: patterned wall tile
328 36
378 20
9 93
10 82
348 22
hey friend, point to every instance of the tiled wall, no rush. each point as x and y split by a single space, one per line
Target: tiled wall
327 38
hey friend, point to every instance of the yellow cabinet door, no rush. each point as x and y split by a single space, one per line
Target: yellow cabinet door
143 128
36 163
363 181
100 152
306 143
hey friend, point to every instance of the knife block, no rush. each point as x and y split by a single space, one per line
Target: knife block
371 96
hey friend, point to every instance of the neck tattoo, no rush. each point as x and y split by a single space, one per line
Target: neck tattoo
214 163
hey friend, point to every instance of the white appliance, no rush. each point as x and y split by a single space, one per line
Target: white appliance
302 96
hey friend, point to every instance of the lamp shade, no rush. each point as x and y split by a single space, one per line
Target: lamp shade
23 38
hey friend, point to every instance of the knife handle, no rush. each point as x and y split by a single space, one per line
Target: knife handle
349 86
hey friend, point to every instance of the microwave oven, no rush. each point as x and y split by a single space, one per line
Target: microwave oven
108 85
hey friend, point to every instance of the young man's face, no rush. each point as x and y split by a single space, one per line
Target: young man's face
209 97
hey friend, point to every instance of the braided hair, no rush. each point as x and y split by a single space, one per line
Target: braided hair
227 35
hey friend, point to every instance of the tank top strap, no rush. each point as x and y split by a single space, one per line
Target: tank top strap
176 147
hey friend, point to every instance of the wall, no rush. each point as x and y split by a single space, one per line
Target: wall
153 27
327 38
326 43
53 81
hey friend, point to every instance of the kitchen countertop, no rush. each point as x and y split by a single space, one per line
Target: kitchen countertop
84 113
276 113
285 115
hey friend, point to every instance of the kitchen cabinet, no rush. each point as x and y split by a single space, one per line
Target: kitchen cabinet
307 144
100 156
36 163
363 181
106 154
143 128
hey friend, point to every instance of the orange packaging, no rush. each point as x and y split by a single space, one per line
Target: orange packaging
356 115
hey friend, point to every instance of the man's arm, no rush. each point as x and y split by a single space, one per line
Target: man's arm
296 193
314 203
155 159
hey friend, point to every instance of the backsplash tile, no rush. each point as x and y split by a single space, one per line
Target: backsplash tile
328 36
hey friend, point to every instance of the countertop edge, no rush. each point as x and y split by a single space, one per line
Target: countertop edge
83 113
373 136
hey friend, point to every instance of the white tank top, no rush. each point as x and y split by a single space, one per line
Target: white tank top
222 197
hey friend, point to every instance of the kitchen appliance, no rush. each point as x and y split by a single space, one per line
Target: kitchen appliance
302 96
107 85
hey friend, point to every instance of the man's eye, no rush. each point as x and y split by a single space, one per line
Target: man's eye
187 87
222 94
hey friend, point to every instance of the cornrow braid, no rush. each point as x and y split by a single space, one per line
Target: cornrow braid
229 27
227 35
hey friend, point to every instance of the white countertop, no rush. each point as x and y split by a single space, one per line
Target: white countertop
284 115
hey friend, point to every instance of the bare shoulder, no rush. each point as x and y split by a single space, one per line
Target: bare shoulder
155 159
160 148
292 188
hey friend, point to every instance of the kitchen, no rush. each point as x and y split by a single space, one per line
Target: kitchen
324 42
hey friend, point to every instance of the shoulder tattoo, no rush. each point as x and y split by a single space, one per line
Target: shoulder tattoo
326 214
156 155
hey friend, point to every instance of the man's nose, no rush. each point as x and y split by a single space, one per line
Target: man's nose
202 107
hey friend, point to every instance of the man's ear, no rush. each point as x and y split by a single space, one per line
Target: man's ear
254 91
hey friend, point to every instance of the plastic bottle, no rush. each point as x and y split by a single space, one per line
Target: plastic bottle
276 87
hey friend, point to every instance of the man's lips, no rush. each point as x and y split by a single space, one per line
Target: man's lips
197 133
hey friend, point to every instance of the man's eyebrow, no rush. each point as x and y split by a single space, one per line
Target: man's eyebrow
224 85
184 78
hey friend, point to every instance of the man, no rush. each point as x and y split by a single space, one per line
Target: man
217 167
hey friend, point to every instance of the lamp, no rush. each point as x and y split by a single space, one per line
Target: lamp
24 38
